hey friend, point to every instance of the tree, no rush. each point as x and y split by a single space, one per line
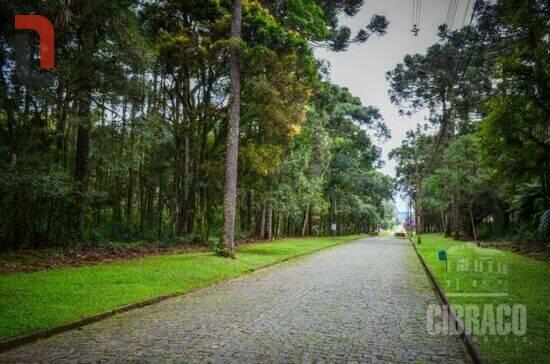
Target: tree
230 199
451 81
318 21
321 26
465 175
130 143
486 87
514 134
412 167
517 123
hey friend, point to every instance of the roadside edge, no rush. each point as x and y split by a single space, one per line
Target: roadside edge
24 339
471 345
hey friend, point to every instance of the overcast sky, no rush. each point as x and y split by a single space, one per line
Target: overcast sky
363 67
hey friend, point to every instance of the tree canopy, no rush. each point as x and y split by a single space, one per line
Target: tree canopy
130 143
486 87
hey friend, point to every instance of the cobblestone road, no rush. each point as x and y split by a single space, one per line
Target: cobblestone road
364 301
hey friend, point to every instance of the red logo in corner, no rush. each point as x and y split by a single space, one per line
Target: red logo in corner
45 30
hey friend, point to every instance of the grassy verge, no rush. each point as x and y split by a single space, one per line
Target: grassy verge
39 300
482 276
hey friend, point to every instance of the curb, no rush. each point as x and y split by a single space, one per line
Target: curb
20 340
467 339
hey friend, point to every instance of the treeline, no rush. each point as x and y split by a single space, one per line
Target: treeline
131 141
481 167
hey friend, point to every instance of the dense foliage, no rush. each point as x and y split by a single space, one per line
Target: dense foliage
485 171
130 143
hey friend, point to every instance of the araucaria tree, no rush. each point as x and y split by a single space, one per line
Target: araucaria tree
230 199
142 127
486 161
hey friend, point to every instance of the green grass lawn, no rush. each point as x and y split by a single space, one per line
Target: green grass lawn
480 276
39 300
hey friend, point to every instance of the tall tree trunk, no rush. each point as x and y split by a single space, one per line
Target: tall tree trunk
418 203
309 231
230 199
288 226
187 201
129 197
448 228
472 221
249 211
269 222
141 198
61 118
306 219
160 205
117 188
130 184
149 216
262 223
456 218
81 166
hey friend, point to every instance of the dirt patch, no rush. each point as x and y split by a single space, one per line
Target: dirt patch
46 259
532 250
40 260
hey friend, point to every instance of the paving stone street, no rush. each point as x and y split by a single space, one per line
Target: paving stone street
360 302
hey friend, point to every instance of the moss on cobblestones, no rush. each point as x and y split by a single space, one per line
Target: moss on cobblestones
39 300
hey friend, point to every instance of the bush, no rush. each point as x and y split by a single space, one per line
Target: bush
220 248
484 231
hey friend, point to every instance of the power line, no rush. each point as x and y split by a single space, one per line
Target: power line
453 14
413 11
449 11
419 12
413 7
466 13
416 11
455 74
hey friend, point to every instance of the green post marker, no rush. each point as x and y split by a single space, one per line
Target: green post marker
443 256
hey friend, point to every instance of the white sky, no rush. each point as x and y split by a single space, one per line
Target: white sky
363 67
